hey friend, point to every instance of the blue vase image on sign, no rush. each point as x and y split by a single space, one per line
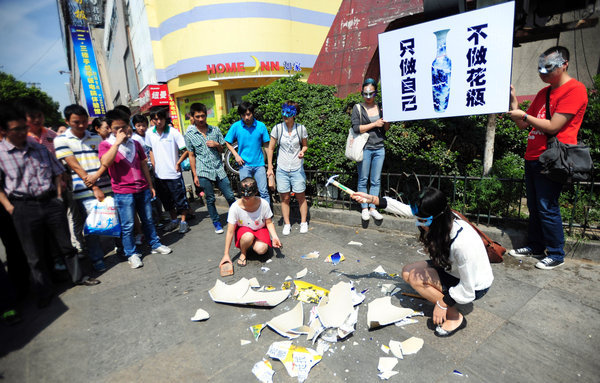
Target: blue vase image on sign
441 68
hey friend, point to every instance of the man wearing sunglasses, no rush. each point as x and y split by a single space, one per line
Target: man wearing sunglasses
568 100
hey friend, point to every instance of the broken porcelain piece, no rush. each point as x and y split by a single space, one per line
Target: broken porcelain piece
382 312
337 306
385 349
297 360
387 288
405 321
253 282
354 243
200 316
335 258
387 374
244 342
256 330
309 293
387 363
284 323
302 273
379 270
412 345
263 371
240 293
396 349
311 255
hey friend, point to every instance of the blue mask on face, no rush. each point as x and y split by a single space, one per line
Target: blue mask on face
288 110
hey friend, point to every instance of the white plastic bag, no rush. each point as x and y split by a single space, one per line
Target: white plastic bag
102 218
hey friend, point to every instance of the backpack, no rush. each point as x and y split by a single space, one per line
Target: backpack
280 127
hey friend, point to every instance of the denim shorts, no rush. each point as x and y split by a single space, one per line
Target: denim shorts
294 181
447 280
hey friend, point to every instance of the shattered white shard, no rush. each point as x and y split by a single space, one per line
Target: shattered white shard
338 306
405 321
200 316
253 282
301 273
354 243
244 342
387 374
385 349
387 288
387 363
379 270
297 360
382 312
396 349
263 371
240 293
347 327
412 345
286 322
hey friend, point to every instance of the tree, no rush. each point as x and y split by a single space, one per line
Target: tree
12 89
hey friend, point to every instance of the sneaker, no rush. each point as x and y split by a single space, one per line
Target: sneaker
218 228
138 239
183 227
365 215
287 228
524 252
162 249
99 265
135 261
304 227
376 215
548 263
171 226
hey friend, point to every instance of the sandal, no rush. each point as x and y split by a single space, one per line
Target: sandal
226 269
242 262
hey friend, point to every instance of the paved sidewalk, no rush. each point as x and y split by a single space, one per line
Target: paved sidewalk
532 326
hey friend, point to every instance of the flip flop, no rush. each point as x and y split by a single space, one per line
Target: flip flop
242 262
226 269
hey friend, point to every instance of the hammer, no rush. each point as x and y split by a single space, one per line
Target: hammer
333 182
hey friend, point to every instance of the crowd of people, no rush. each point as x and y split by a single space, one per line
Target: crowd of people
51 181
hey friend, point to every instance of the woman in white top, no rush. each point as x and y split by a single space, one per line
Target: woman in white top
458 270
249 220
293 144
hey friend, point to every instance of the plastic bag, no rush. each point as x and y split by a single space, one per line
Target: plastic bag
185 165
102 218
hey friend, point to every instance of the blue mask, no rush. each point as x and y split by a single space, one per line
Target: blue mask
288 110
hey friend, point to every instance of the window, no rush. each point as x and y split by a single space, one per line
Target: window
234 97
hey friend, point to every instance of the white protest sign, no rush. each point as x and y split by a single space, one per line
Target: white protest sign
455 66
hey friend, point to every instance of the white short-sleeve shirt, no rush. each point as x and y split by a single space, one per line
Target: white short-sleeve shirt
165 148
290 144
254 220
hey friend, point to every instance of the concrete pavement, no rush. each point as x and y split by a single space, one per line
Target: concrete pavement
532 326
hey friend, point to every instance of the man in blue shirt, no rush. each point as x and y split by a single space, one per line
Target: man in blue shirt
251 136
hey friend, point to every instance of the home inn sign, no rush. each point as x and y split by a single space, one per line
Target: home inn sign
258 69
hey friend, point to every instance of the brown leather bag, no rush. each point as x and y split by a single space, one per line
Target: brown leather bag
494 250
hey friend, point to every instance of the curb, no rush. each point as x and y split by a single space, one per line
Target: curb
509 237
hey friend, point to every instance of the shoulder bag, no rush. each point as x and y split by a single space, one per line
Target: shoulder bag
565 163
495 251
355 143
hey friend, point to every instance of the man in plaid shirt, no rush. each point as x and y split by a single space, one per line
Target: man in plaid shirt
29 185
205 145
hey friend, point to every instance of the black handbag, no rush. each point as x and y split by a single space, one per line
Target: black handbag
565 163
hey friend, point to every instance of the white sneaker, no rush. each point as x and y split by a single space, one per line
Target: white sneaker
365 214
138 239
304 227
162 249
286 229
375 214
135 261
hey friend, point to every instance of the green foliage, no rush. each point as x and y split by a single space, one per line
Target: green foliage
12 89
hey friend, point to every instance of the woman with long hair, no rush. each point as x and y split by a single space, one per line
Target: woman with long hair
458 271
368 117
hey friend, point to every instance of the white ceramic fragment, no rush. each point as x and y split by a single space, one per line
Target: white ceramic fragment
200 316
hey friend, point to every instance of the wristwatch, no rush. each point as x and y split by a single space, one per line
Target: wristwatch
525 117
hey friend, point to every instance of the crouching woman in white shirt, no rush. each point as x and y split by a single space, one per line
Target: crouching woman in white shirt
458 270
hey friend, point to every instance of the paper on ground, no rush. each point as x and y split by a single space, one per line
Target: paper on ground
338 305
200 315
284 323
256 330
301 273
387 363
379 270
263 371
311 255
396 349
297 360
382 312
412 345
241 293
309 293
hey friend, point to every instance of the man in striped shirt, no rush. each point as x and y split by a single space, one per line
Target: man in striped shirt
205 145
78 148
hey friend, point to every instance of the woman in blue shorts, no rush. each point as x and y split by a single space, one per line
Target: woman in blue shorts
292 139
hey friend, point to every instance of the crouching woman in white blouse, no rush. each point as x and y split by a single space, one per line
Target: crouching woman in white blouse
458 270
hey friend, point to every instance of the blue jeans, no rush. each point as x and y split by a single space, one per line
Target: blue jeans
225 187
545 221
127 206
371 164
260 175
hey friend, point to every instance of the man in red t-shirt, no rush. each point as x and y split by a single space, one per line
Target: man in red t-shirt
568 101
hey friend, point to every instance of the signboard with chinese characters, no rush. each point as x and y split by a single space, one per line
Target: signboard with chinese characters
85 12
88 70
455 66
154 95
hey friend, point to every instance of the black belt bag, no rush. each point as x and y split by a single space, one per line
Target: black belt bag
565 163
